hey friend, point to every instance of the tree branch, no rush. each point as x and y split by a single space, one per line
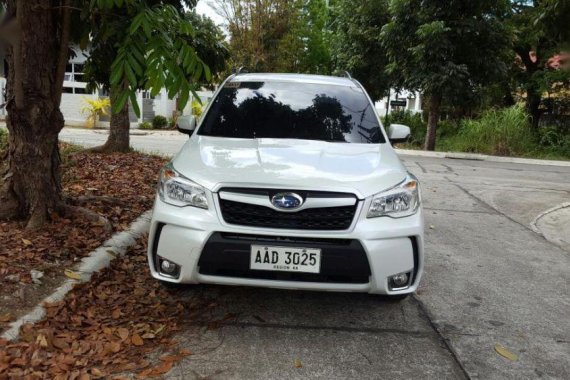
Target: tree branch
81 212
96 198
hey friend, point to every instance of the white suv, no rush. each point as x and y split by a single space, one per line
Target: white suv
289 181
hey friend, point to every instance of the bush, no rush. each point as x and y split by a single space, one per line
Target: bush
159 122
412 120
145 125
196 109
502 132
94 109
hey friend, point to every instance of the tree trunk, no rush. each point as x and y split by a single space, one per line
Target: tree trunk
533 100
32 187
118 140
533 93
434 104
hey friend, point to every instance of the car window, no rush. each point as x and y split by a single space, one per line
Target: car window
290 110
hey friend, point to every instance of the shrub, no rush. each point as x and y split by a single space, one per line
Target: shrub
159 122
196 108
94 109
172 123
502 132
412 120
145 125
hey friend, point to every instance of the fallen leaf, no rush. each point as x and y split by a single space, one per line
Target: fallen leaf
116 314
170 358
185 352
60 343
431 226
5 317
298 363
26 242
506 353
115 347
137 340
71 274
96 373
123 333
162 368
42 341
144 373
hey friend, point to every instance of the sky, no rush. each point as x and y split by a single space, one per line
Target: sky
204 8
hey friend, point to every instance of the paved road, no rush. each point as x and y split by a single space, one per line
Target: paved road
489 280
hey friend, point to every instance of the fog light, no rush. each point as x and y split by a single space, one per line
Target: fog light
400 280
168 268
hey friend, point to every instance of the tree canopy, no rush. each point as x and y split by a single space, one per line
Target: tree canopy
278 35
445 48
356 43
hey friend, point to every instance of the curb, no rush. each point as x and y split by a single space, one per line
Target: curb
98 259
482 157
533 224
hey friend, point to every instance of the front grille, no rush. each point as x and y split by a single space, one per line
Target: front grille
326 218
228 255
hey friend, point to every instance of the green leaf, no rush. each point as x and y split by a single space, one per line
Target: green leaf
130 75
134 103
207 73
119 102
146 27
137 21
183 97
116 75
135 65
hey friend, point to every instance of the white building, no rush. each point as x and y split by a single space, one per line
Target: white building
74 95
399 101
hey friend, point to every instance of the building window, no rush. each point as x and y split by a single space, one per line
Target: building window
146 95
74 72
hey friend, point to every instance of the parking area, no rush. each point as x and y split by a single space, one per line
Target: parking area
490 279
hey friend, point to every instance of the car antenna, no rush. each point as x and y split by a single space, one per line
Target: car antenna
241 70
346 74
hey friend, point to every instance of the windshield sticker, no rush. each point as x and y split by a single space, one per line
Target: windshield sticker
232 85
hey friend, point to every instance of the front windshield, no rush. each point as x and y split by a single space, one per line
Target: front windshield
291 110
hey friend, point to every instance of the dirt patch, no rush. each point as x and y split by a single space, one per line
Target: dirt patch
117 186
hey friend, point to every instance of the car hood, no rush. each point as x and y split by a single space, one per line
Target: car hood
363 169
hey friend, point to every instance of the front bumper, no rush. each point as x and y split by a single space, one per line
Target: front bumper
389 246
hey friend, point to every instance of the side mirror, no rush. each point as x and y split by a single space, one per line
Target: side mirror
186 124
398 133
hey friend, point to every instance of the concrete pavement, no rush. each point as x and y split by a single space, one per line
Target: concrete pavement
490 279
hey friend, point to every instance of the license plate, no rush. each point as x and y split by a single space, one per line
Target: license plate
287 259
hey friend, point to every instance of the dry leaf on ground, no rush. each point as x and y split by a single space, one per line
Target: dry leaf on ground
506 353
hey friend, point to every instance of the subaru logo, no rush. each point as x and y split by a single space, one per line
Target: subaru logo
287 201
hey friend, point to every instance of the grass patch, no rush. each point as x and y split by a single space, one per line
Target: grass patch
501 132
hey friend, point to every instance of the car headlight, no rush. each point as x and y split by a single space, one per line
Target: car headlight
177 190
399 201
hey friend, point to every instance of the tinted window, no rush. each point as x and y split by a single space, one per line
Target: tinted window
294 111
